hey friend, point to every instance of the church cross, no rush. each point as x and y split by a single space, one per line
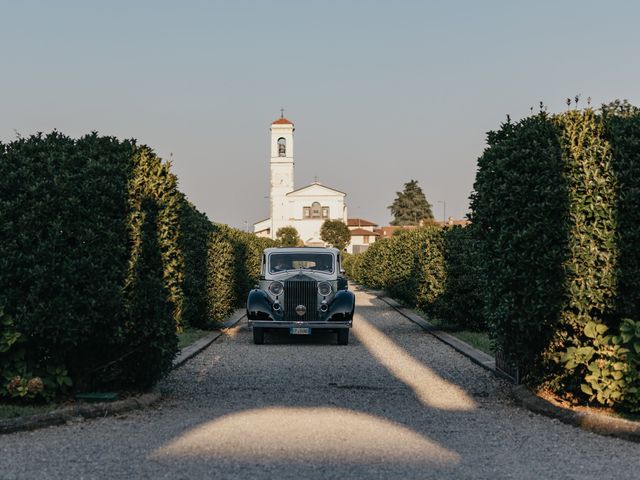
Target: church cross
282 113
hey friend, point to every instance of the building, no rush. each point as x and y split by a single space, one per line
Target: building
305 208
363 234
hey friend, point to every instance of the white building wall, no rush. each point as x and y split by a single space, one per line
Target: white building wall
286 204
281 173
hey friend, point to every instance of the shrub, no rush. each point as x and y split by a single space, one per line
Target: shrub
221 277
622 130
461 301
409 266
147 340
519 212
288 237
335 233
351 265
554 213
71 242
195 231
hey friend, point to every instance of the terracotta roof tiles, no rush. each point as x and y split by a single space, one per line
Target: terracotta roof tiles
282 121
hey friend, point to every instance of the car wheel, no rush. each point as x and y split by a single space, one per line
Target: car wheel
343 336
258 335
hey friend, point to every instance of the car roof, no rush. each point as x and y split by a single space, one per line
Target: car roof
269 251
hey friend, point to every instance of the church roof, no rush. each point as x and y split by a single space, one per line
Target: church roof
282 121
315 184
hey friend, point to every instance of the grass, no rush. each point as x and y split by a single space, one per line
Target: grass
190 335
479 340
8 410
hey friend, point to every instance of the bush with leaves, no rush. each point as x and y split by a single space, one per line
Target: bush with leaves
288 237
555 215
461 301
71 242
409 266
519 212
335 233
351 265
608 366
195 231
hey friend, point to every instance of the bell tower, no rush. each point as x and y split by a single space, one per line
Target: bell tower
281 171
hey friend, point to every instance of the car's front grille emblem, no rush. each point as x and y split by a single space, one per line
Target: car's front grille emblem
301 310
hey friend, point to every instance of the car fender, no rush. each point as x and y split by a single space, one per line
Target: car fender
258 306
342 306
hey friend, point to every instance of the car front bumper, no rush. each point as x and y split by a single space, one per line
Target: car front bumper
311 325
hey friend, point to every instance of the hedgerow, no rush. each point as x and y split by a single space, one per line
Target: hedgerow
408 265
461 301
195 231
555 215
102 260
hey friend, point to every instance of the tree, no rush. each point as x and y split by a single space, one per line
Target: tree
288 237
410 206
335 233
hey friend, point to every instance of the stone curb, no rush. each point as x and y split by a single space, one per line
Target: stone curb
95 410
592 422
476 356
84 411
199 345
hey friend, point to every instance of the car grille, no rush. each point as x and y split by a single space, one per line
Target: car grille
300 292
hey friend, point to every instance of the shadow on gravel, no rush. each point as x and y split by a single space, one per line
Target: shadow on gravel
353 424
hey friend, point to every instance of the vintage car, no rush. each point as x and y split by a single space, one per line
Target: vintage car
301 290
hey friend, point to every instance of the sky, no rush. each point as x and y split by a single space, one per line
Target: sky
380 92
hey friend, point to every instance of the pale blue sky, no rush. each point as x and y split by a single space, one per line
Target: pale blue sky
380 92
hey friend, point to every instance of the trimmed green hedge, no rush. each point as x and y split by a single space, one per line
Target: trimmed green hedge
555 217
461 301
102 260
519 210
75 240
409 266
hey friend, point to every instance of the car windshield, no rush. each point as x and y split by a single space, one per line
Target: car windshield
321 262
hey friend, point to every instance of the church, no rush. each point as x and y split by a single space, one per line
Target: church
305 208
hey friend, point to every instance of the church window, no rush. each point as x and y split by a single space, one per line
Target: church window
306 211
282 147
316 210
325 212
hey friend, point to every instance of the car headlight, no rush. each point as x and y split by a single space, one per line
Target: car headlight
324 288
276 288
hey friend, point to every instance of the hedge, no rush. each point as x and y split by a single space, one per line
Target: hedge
409 266
460 304
554 217
102 261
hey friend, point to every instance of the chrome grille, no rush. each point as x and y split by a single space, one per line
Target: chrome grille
300 292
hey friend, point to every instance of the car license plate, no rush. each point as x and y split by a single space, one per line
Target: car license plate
299 331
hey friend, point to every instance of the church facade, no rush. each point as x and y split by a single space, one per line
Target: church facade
305 208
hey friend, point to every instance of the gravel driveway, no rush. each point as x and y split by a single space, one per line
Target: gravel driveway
395 403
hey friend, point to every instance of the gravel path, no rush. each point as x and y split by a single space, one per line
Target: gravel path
395 403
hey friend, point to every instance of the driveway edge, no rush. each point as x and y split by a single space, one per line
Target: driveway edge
77 412
593 422
196 347
105 409
523 396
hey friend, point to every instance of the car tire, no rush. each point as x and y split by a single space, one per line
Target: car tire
258 335
343 336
